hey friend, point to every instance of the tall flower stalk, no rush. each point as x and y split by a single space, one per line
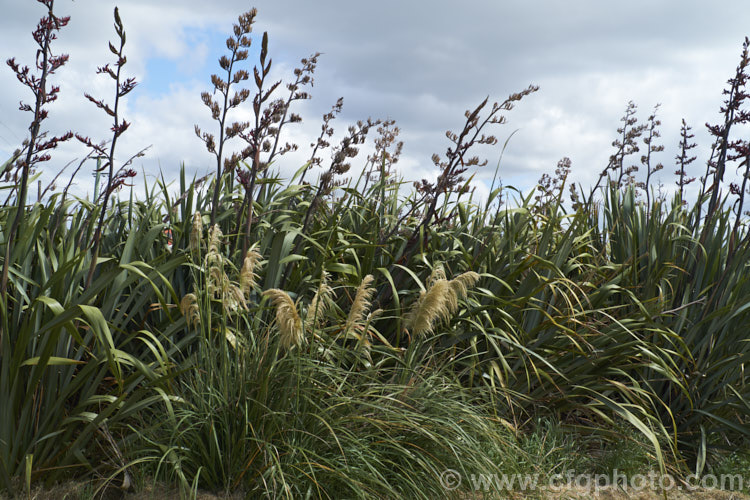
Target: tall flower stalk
37 146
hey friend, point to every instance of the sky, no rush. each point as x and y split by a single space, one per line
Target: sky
419 63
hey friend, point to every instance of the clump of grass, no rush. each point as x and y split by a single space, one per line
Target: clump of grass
628 452
736 462
548 448
296 426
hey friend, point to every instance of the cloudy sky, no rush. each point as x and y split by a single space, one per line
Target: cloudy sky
417 62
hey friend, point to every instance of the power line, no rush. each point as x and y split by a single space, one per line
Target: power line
17 142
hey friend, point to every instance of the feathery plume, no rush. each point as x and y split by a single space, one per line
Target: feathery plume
196 234
220 287
460 288
363 342
214 238
217 282
248 277
213 256
431 306
438 273
189 308
361 302
232 297
287 318
440 301
319 304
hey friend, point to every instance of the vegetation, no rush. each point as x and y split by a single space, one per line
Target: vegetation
356 338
